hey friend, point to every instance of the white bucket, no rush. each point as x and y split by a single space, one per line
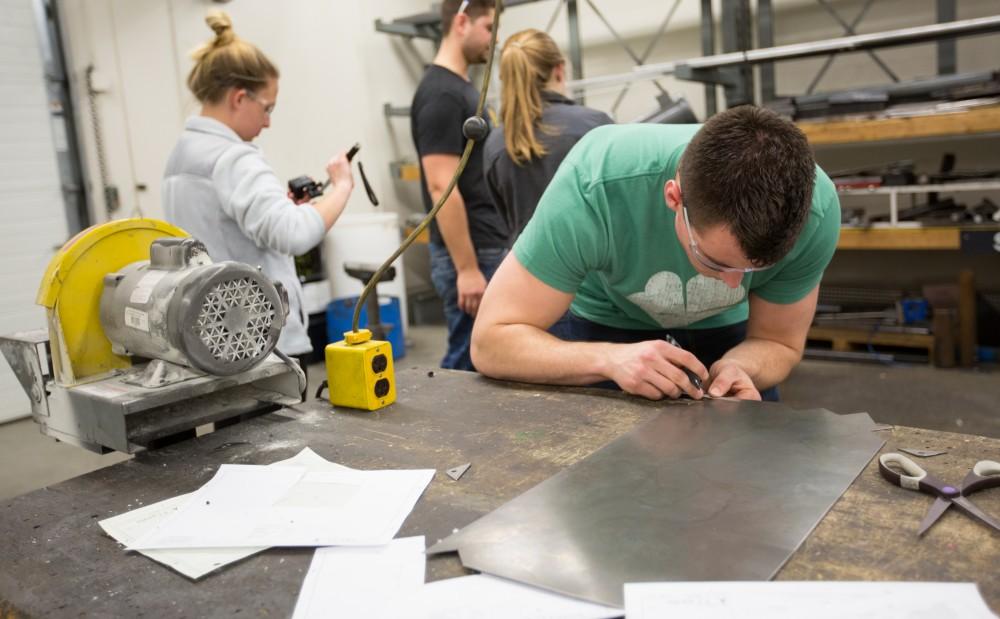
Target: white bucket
368 238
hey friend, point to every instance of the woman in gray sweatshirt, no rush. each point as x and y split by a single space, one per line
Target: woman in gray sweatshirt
218 187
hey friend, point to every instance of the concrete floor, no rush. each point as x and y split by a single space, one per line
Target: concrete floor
952 400
966 401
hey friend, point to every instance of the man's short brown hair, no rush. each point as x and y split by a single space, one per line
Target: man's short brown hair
752 171
449 9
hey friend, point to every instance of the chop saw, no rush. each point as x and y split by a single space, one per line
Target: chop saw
148 339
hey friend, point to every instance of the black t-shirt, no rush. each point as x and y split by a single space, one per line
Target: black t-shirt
441 104
516 189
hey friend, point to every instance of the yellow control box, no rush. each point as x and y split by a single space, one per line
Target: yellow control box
359 372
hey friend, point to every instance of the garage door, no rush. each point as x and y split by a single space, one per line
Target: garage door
32 213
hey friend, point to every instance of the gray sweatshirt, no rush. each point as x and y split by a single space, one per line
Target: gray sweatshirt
220 190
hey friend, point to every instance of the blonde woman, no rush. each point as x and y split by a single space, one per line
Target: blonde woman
540 126
218 186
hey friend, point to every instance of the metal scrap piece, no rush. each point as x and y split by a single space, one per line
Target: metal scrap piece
720 490
922 453
457 472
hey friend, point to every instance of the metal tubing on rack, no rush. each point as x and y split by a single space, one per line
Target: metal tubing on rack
861 42
737 36
575 48
765 38
947 48
708 49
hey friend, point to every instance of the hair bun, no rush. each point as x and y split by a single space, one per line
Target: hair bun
221 25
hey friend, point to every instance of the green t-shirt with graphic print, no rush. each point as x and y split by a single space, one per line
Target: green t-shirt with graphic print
603 231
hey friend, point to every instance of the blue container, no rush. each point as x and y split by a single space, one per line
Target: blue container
915 310
987 354
340 312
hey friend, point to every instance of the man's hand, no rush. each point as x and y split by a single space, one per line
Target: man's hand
653 369
729 379
471 284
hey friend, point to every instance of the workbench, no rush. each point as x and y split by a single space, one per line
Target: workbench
57 561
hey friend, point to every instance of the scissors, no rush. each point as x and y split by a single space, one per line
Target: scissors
906 473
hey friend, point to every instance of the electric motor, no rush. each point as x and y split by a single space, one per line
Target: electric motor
219 317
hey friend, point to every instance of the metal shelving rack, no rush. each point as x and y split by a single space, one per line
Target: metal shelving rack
895 191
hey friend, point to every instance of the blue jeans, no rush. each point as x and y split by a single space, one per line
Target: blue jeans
709 345
444 277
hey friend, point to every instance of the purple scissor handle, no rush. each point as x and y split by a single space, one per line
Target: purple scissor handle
985 474
906 473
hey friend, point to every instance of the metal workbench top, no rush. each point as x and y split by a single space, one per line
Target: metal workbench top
56 560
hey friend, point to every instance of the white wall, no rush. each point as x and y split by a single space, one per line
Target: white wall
335 74
31 203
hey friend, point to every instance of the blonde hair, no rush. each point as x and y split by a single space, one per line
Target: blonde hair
227 61
526 64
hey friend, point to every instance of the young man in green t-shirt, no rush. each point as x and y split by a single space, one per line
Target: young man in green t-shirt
716 234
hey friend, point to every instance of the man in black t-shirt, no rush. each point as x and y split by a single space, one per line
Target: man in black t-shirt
469 239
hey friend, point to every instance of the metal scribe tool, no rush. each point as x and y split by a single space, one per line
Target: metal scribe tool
690 374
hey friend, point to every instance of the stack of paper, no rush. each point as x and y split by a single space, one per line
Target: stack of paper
303 501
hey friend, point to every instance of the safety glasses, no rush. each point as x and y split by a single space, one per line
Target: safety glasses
707 262
268 108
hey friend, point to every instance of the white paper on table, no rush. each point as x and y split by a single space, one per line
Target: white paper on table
234 501
312 462
362 581
485 597
196 562
816 600
248 506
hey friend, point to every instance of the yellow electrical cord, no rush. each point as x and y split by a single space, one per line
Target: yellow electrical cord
470 142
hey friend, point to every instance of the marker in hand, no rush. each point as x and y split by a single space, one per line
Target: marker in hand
690 374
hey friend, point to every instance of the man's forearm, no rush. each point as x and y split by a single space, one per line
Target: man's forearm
526 353
453 222
766 362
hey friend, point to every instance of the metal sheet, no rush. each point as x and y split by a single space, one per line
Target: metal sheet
718 490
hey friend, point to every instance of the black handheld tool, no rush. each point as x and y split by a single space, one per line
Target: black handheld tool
690 374
304 186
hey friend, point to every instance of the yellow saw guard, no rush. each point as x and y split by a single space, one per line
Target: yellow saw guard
71 293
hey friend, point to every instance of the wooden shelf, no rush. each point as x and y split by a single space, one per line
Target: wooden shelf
937 237
405 170
969 122
943 238
845 339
